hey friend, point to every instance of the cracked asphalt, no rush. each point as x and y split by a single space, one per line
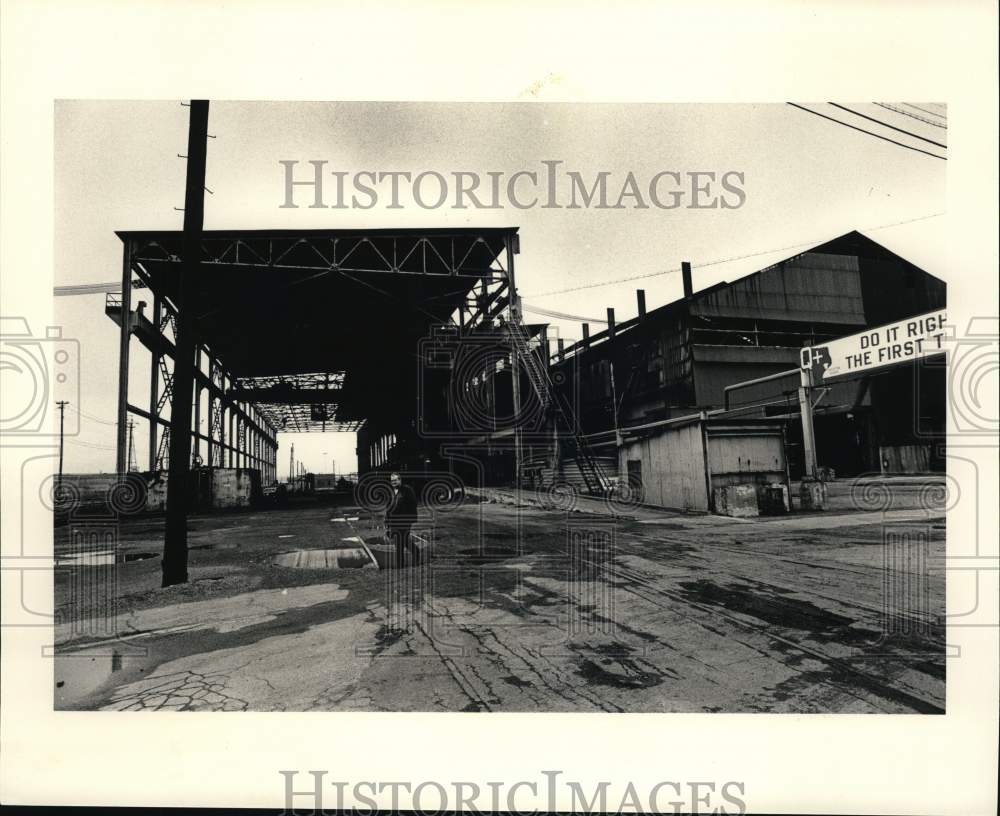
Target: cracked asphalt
519 609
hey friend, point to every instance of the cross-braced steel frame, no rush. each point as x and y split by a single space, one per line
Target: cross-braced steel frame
244 414
297 403
231 420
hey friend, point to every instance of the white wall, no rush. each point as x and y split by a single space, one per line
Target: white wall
673 468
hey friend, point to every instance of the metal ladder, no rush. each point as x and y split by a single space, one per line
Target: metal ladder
538 375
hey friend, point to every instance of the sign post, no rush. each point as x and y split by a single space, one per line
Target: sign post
808 433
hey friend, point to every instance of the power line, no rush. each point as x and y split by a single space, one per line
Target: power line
616 280
725 260
92 445
893 108
862 130
87 288
932 113
563 315
891 127
91 417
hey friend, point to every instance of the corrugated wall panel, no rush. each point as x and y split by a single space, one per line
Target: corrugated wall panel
814 286
745 453
673 473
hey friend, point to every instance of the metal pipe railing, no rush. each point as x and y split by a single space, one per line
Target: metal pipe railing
769 378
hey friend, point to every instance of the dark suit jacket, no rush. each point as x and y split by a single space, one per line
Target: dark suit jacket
402 510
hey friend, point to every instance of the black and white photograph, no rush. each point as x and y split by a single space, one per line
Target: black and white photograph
536 408
575 428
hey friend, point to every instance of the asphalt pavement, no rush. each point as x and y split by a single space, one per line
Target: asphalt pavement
515 608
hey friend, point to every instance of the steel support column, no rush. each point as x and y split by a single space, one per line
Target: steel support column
222 429
515 364
241 453
196 442
121 453
154 383
212 418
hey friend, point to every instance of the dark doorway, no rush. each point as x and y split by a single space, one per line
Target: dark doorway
635 478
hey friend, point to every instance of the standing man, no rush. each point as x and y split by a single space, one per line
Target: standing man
400 516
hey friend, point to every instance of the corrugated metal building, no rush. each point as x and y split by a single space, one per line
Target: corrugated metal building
679 358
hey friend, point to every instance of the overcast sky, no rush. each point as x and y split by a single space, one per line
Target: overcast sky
805 179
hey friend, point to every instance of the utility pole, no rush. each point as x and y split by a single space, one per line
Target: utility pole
62 410
291 465
175 551
132 464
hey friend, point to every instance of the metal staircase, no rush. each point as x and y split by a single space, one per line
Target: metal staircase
537 373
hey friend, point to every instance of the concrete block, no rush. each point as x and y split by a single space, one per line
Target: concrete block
773 499
232 487
812 495
156 495
739 501
100 493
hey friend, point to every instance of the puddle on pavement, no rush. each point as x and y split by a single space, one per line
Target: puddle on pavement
100 558
217 545
140 556
79 674
766 607
94 558
598 675
339 558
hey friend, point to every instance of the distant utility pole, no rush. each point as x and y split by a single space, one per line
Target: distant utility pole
132 464
62 411
291 465
175 550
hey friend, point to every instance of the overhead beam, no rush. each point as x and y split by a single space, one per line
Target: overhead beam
287 395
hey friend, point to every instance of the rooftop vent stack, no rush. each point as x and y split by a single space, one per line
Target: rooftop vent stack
686 275
640 297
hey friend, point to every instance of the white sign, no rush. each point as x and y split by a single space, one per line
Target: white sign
901 342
